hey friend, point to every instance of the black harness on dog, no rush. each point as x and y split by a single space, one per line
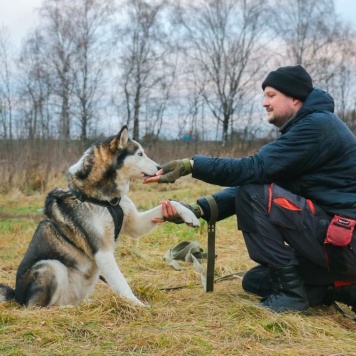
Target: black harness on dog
113 206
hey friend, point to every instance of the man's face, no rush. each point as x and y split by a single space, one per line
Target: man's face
280 108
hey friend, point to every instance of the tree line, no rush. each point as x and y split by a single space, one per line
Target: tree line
167 68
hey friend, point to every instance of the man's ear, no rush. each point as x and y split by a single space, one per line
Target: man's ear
120 140
297 103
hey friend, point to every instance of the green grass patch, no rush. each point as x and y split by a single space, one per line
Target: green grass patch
16 225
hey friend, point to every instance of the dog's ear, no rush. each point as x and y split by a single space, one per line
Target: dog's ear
120 140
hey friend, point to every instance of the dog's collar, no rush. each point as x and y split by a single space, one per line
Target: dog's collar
86 198
113 206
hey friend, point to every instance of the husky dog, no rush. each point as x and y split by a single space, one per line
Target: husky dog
75 243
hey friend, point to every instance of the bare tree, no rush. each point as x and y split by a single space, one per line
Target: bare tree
345 92
68 55
57 29
223 41
91 20
143 59
315 37
35 89
6 100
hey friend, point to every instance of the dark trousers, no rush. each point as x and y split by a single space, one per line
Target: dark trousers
282 229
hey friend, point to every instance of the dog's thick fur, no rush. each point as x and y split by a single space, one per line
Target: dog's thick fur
75 244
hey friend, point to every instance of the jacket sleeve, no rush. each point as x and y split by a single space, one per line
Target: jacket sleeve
286 158
225 201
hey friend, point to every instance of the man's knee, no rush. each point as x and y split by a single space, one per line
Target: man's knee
249 193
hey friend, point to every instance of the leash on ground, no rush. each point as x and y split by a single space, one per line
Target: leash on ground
191 251
220 279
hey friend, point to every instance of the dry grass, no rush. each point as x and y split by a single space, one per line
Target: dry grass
184 321
35 166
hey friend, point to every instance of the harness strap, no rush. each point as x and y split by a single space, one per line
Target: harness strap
118 217
113 207
86 198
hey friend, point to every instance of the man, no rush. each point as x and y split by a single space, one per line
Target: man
286 195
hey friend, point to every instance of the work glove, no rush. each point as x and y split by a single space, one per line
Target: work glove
177 219
174 170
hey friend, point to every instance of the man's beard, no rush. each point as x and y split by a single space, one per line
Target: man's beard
280 120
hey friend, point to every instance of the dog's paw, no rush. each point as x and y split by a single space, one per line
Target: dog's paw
67 306
187 215
140 304
136 302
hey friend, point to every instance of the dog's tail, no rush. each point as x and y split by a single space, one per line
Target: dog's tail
6 293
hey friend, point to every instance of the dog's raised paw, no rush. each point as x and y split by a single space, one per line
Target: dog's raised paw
187 215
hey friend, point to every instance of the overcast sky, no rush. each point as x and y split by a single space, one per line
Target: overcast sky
19 15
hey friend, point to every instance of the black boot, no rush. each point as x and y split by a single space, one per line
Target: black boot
344 294
288 291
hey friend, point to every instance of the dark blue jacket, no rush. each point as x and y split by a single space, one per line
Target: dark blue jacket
315 157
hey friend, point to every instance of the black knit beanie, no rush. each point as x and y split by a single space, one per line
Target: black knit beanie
293 81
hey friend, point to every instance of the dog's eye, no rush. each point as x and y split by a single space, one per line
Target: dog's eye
140 154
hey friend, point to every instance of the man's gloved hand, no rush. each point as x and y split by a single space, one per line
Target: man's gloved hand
174 170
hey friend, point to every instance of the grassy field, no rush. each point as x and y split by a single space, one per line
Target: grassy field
185 321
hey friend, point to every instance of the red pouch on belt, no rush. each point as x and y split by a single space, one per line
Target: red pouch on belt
340 231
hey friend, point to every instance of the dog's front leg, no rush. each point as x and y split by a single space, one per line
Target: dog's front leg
140 223
108 267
